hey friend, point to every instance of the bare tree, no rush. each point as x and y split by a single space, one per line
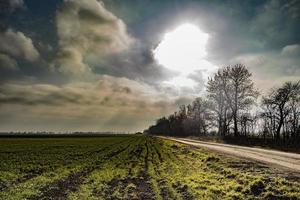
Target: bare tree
283 102
229 106
239 91
295 113
219 106
234 88
269 118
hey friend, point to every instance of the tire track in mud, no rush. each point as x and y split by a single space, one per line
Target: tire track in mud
182 190
162 183
60 189
135 152
143 189
164 191
159 154
143 183
116 181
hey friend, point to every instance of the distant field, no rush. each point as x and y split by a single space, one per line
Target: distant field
132 167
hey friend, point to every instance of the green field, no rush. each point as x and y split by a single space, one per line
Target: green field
132 167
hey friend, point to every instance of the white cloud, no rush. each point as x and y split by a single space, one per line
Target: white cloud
291 50
17 45
87 32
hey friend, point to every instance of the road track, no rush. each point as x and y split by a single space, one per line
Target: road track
275 158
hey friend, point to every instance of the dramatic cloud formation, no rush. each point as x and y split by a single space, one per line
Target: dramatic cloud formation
90 65
87 31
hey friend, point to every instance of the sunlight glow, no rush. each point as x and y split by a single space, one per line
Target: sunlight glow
183 49
181 81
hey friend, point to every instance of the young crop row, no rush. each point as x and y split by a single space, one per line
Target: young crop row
133 167
29 166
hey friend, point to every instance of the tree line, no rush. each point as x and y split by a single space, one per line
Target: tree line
234 108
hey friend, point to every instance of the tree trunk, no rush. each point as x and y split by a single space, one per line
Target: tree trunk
278 131
221 125
235 125
279 125
294 125
235 110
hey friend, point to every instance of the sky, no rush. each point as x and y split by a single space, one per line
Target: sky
117 65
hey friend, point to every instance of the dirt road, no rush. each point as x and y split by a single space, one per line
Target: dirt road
290 161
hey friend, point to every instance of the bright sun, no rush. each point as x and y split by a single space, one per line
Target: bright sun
183 50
